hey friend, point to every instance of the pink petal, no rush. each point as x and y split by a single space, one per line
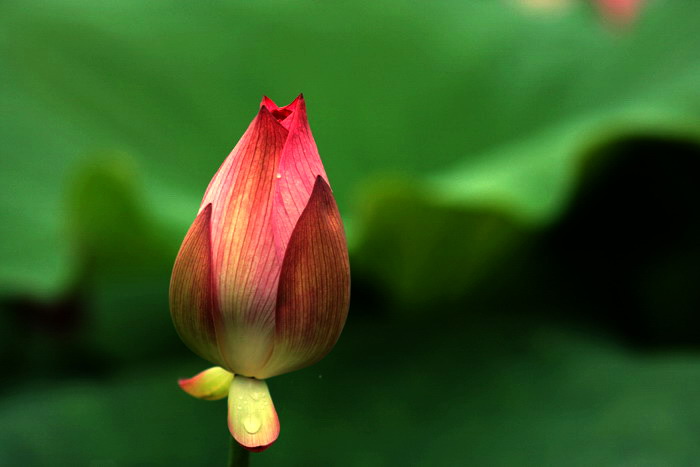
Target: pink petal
298 168
281 113
620 12
252 418
192 295
314 289
269 103
245 265
212 384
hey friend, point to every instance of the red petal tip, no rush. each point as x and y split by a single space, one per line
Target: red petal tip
269 103
257 448
272 114
264 110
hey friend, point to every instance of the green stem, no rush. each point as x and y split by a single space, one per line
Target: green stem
238 456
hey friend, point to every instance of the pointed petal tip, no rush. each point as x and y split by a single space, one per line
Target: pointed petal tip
272 106
299 104
321 185
296 108
267 102
265 120
264 111
206 209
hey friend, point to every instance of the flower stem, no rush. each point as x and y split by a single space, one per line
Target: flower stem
238 456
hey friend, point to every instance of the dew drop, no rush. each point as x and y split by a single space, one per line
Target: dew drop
255 395
252 424
278 176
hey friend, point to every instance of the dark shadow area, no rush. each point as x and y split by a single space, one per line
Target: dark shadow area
627 253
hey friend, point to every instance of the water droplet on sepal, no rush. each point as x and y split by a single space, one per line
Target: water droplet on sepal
252 424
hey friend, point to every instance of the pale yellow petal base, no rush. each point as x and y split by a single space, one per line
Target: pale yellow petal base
212 384
252 418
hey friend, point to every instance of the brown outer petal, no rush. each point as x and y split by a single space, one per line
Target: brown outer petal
314 289
192 297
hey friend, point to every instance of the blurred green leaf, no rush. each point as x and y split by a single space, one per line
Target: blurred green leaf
126 257
420 253
109 222
491 107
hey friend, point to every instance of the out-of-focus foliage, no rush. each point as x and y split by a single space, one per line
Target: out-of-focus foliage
519 191
494 106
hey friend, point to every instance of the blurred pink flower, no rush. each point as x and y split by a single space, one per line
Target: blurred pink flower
619 12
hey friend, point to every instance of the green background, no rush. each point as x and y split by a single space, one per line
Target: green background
520 191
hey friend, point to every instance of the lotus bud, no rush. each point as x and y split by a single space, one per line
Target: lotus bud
261 284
